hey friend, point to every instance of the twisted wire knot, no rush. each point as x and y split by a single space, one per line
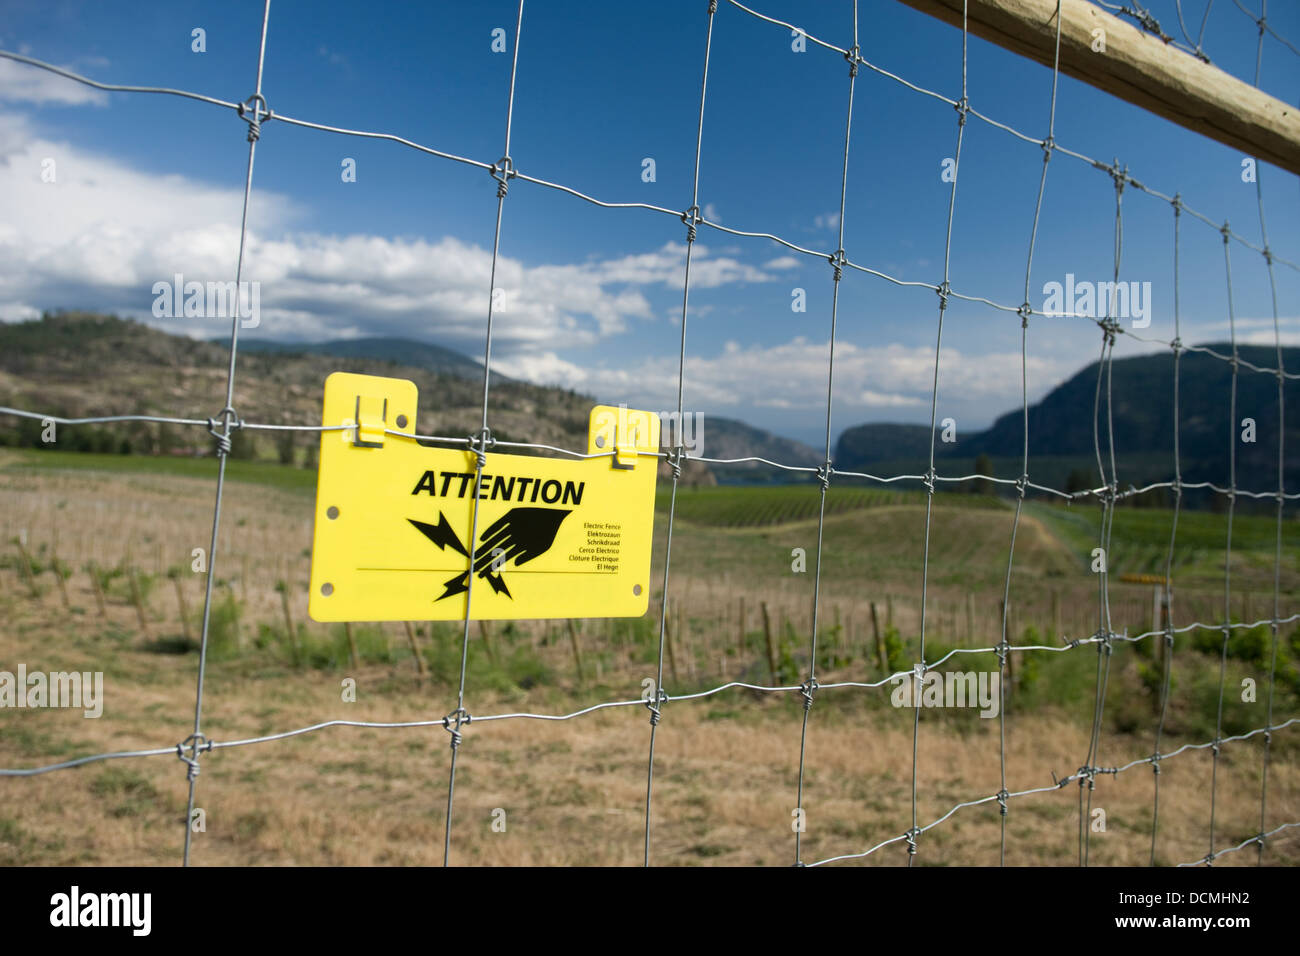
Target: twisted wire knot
962 106
929 481
198 744
691 217
837 260
674 459
1177 203
910 837
1120 176
1048 145
713 6
1002 800
1155 763
254 111
1025 311
1110 327
853 54
503 170
824 475
229 420
1021 483
806 690
1226 231
944 289
661 697
480 442
461 716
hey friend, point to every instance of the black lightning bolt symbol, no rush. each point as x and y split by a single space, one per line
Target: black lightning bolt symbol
520 534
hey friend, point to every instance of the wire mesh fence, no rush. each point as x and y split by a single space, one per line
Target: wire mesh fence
255 112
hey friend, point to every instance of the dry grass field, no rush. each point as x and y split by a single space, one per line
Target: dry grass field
573 791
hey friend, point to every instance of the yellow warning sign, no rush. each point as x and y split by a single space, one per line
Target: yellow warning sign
395 519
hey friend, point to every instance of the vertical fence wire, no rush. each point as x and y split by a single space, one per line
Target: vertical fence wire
1025 310
945 289
1105 648
692 219
502 173
229 421
1281 460
1167 639
1227 555
809 688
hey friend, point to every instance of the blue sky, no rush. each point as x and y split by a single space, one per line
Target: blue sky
150 186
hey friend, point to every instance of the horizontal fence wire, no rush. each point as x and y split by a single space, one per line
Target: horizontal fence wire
254 112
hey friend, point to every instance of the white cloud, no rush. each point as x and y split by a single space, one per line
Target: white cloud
102 233
829 220
868 397
545 368
792 375
782 262
20 83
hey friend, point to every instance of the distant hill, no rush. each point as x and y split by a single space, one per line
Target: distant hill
82 364
431 358
1061 426
866 445
79 364
729 438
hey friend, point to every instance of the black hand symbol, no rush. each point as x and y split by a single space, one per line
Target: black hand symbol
521 534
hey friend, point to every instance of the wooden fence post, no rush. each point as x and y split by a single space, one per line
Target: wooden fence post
771 647
352 644
880 643
415 648
577 654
